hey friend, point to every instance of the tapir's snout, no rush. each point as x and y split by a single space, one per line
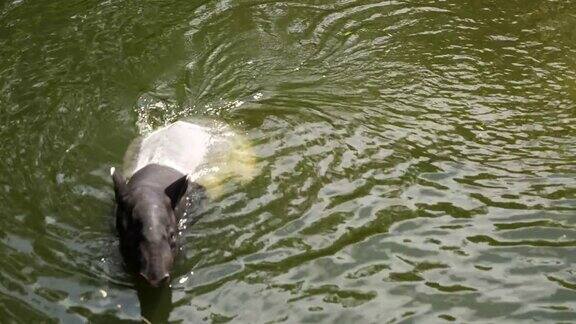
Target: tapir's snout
156 281
157 259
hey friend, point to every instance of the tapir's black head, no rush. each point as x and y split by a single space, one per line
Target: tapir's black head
147 228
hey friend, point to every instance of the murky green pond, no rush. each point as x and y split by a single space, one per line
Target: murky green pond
416 159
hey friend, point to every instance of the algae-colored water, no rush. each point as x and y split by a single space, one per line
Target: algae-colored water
416 159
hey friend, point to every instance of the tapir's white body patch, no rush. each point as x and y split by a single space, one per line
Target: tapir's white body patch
207 151
182 146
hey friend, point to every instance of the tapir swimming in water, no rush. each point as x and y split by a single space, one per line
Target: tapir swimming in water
161 168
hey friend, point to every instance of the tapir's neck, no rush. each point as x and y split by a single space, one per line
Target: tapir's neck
154 176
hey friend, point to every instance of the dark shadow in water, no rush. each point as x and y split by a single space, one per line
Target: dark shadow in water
155 303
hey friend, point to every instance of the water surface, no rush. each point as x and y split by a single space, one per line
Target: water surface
416 159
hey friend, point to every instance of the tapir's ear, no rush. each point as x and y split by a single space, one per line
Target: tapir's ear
176 190
119 184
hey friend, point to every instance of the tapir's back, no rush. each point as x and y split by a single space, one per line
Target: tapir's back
207 151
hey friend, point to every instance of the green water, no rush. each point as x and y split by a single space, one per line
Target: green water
416 159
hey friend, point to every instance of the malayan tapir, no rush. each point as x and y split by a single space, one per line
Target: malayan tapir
159 169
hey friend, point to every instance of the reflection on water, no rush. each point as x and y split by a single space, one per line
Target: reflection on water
416 159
